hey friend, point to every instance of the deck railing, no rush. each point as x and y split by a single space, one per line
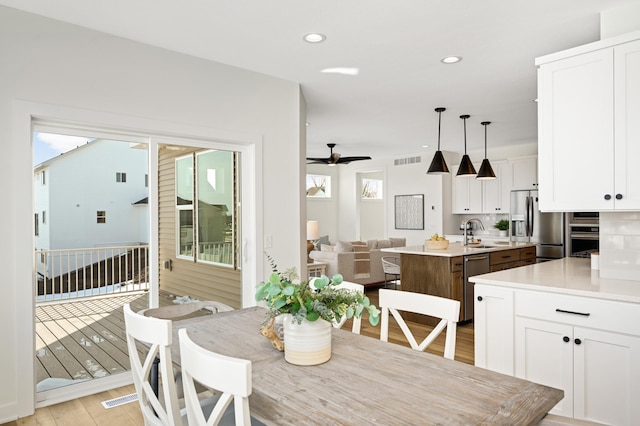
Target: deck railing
218 252
86 272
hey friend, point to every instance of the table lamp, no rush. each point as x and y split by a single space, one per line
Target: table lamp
312 234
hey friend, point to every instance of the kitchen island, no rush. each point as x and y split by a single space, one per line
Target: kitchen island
445 272
558 323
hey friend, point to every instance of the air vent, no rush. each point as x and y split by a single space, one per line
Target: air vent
121 400
408 160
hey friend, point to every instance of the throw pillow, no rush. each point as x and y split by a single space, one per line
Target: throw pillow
322 240
384 244
327 248
372 244
398 242
343 246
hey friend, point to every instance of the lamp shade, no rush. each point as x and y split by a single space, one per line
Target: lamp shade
466 166
438 165
313 232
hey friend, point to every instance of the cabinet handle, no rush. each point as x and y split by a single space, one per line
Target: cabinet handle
578 341
479 298
618 196
607 197
584 314
566 339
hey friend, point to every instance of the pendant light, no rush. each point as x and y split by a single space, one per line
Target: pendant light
466 168
486 171
438 165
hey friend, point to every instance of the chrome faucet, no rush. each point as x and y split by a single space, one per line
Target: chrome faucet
464 227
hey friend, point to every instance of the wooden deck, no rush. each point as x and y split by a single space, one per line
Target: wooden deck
85 339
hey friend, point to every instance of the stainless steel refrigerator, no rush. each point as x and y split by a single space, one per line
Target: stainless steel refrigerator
528 224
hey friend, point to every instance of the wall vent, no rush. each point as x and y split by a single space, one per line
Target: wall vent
121 400
408 160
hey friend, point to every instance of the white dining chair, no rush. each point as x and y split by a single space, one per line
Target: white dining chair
357 322
179 310
447 310
156 334
338 323
229 377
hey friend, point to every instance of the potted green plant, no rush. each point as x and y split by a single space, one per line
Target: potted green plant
503 226
309 309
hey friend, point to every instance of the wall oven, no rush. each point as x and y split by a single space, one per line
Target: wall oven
583 233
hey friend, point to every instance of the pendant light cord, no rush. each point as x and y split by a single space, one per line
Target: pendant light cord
485 141
464 118
439 123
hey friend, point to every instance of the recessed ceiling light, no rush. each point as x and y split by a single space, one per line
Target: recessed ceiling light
314 38
342 70
451 59
425 146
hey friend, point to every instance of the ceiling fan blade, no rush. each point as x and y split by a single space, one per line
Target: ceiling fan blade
320 160
346 160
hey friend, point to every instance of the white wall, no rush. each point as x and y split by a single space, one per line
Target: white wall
325 210
67 68
372 212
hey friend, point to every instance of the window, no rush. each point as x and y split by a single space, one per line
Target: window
318 186
37 224
44 217
121 177
146 180
43 179
101 216
371 189
211 179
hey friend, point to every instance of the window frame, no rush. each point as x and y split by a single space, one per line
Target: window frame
327 190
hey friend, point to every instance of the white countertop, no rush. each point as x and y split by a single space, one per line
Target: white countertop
457 249
570 275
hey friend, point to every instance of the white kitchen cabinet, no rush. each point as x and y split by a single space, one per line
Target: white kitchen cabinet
587 347
525 172
589 134
493 328
467 194
497 192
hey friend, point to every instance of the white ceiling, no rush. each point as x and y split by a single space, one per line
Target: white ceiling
388 109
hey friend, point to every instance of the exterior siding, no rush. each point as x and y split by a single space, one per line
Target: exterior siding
195 279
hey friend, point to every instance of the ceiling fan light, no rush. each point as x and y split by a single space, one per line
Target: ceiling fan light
486 171
466 167
438 165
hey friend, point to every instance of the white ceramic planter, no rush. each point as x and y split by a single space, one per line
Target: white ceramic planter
308 343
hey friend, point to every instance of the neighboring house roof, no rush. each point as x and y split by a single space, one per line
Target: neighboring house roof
145 200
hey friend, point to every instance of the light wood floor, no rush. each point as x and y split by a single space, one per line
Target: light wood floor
89 411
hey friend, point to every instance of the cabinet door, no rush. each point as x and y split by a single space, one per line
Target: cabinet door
575 133
525 173
627 126
496 192
493 328
607 374
544 354
467 194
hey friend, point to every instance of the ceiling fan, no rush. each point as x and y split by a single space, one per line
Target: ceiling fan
335 158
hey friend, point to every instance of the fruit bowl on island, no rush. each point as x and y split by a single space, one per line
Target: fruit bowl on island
436 242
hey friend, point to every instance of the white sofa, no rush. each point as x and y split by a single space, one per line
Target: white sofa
340 259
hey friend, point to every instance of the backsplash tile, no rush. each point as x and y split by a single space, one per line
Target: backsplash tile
620 245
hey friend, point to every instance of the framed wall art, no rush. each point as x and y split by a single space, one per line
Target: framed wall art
409 211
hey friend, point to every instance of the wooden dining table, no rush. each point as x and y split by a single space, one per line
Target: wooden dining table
367 381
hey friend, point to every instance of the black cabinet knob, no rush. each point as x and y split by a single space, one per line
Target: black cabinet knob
618 196
607 197
578 341
479 298
566 339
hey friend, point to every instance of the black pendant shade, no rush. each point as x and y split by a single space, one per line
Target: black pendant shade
466 167
486 171
438 165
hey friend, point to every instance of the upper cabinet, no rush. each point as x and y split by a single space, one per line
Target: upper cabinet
497 191
589 131
467 193
525 172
